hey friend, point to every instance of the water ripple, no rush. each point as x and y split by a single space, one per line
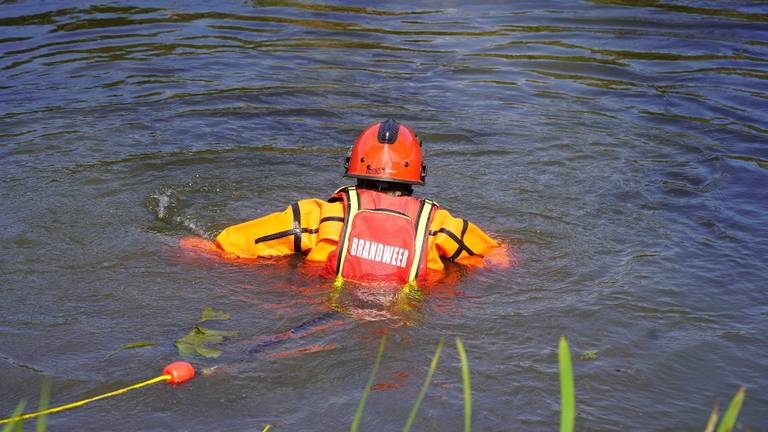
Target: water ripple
617 146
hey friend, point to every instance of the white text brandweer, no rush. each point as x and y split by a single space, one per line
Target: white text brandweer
378 252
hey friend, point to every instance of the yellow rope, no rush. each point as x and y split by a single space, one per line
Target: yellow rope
85 401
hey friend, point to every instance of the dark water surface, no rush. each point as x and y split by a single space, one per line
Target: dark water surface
620 147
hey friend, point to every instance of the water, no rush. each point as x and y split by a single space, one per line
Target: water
618 147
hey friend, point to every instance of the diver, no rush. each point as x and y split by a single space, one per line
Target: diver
376 233
375 230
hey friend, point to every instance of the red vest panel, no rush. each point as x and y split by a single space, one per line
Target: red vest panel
380 239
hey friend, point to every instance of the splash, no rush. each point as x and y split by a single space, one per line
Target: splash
170 207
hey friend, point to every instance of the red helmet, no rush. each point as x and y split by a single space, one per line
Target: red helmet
387 151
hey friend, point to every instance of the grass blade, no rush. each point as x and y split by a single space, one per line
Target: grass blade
732 413
567 397
361 404
713 418
467 385
427 380
17 412
45 397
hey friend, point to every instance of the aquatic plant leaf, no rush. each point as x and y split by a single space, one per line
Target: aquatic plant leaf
208 352
589 355
712 422
187 349
427 380
732 412
194 337
467 385
364 396
195 341
567 397
137 345
17 412
210 314
130 346
216 334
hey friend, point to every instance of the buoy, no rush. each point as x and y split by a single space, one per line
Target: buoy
180 372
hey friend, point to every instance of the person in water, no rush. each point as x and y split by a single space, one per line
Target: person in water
374 231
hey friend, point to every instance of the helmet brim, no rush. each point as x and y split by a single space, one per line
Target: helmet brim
389 180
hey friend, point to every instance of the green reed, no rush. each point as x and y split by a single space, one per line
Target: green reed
361 404
567 395
15 425
567 392
467 387
42 421
732 412
425 386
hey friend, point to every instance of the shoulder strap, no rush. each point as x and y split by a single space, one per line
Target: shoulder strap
338 193
422 230
353 205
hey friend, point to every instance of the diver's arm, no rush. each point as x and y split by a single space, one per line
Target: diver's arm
294 230
464 243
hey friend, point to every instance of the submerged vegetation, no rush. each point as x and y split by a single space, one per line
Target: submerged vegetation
567 395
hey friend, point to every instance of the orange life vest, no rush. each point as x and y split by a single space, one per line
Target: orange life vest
384 238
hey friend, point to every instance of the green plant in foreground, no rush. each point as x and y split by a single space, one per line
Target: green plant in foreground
567 396
42 422
427 380
361 404
16 424
731 413
424 388
567 392
467 386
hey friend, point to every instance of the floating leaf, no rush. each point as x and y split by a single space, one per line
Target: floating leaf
137 345
215 335
210 314
195 341
589 355
208 352
188 350
130 346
